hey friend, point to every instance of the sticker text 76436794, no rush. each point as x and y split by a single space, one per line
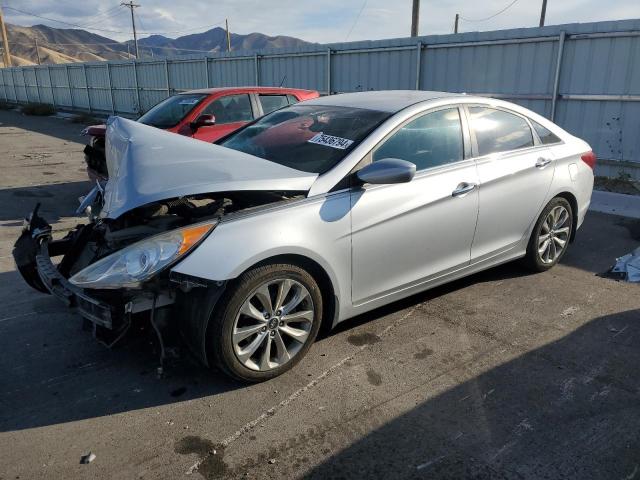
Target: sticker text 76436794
331 141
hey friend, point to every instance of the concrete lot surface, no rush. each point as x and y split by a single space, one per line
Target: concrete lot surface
502 375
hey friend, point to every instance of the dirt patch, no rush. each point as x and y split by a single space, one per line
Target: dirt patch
212 464
374 377
617 185
363 339
422 354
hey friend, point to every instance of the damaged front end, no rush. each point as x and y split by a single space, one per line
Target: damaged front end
152 213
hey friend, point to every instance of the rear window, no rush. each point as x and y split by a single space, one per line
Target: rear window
311 138
172 110
272 102
499 131
546 136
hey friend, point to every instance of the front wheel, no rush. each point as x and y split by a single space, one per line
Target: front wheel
265 323
550 237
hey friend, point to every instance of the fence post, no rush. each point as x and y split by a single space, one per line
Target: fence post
556 78
24 84
206 71
13 84
35 74
166 72
86 85
256 70
53 93
135 79
328 71
418 61
66 67
4 86
113 105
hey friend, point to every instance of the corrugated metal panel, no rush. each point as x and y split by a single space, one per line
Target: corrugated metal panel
308 71
232 73
61 90
600 60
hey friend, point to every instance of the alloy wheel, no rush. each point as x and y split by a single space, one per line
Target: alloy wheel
554 234
273 324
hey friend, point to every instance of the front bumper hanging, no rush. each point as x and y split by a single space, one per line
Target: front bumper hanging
32 254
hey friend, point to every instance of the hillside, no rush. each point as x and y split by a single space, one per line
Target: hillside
61 45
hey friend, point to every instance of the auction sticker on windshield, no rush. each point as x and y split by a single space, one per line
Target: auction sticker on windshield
331 141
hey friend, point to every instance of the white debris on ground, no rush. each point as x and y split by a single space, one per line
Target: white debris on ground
628 266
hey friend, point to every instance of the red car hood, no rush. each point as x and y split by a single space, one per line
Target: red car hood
96 130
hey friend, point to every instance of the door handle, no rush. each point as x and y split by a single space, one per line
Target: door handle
464 188
542 162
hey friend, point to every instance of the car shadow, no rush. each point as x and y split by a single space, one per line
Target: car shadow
569 409
56 200
54 371
45 125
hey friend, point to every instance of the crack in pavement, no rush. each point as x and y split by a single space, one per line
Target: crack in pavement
276 408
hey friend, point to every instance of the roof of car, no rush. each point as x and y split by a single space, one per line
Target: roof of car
382 100
245 89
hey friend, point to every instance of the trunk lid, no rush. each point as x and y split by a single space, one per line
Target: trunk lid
147 165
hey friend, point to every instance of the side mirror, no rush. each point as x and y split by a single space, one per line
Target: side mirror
387 171
203 121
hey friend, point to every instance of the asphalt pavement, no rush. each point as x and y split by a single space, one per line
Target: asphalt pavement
504 374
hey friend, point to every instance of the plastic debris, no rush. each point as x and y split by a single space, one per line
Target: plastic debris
85 459
628 266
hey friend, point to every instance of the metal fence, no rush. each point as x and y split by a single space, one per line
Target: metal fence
585 77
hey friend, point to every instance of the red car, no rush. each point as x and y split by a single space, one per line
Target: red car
207 114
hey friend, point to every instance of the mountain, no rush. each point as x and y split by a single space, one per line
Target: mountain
215 40
62 45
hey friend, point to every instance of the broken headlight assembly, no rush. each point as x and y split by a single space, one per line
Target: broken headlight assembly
129 267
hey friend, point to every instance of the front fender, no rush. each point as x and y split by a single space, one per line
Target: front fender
316 228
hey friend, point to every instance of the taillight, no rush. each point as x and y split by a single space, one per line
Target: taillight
590 159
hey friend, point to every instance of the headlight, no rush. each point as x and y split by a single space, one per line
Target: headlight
139 262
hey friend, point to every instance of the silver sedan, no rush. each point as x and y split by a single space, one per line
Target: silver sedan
311 215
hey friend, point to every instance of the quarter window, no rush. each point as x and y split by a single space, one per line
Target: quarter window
272 102
230 109
429 141
546 136
499 131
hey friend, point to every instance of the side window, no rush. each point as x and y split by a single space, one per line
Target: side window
428 141
292 99
272 102
499 131
546 136
230 109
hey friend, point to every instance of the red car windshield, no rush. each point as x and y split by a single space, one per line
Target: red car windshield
171 111
311 138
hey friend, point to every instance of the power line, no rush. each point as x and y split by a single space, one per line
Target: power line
491 16
364 4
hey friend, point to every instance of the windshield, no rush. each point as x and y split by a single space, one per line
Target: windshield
171 111
311 138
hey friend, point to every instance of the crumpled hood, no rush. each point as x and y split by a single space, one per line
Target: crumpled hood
147 164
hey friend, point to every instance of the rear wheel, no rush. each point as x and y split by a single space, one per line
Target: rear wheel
550 237
266 322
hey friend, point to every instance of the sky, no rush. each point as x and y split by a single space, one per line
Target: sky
324 21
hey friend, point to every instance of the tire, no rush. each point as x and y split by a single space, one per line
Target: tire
540 259
294 331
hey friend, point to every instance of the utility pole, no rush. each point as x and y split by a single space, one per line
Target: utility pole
226 21
5 42
131 6
37 50
543 12
415 18
455 25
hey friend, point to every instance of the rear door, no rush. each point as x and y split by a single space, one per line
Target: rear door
515 171
406 234
231 112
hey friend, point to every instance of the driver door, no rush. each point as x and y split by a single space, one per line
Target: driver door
230 111
408 234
